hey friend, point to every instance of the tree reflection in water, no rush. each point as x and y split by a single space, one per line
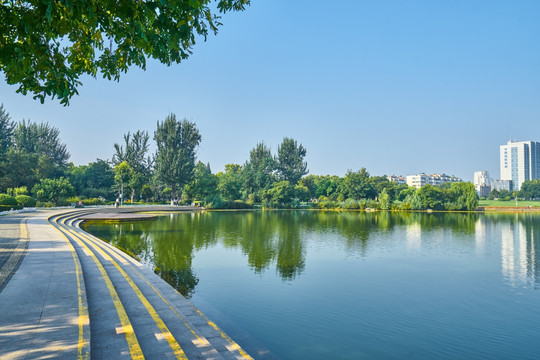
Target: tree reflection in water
279 238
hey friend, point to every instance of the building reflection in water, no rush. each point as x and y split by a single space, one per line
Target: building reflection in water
520 246
414 237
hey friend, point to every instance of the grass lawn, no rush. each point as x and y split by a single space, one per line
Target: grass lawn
508 203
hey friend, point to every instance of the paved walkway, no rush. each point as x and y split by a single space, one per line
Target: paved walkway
75 296
38 305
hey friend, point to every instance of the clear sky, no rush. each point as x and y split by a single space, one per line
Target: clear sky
397 87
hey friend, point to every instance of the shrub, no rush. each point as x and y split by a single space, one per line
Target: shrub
8 200
92 201
45 204
25 200
73 200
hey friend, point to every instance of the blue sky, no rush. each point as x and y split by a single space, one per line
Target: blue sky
398 87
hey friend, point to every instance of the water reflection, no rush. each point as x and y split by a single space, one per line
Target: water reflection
519 236
279 239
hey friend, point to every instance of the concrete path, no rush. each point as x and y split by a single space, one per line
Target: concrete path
38 306
75 296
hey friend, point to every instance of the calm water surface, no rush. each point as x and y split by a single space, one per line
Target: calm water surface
325 285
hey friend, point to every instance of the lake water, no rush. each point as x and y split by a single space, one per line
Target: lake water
353 285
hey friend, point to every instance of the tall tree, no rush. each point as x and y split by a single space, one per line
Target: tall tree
122 175
356 185
6 130
43 140
204 184
290 162
48 45
177 143
259 170
93 180
230 182
133 152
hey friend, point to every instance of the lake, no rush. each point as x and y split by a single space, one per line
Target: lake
353 285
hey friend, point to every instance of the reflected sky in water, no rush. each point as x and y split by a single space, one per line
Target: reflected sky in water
308 284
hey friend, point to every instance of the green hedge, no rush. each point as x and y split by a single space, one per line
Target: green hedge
10 207
7 200
25 200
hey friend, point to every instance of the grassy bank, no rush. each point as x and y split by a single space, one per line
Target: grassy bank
508 203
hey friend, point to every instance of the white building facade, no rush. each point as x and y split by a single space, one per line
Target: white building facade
422 179
400 180
520 161
482 183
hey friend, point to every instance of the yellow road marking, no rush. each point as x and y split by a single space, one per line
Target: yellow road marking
232 344
179 353
133 343
83 345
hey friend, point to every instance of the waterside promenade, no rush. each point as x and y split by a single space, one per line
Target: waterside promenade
65 294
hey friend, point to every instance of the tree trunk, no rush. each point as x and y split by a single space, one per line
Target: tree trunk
173 193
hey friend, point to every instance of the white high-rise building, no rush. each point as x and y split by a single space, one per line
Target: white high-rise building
520 161
482 183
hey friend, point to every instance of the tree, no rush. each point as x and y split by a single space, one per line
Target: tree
43 140
204 184
6 130
431 197
93 180
290 162
356 185
230 182
259 170
384 200
48 45
53 190
177 142
462 196
134 154
280 193
18 169
122 175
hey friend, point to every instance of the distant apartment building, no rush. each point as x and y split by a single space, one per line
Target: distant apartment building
501 185
520 161
400 180
482 183
422 179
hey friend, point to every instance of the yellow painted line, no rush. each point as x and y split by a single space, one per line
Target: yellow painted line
133 343
201 340
178 352
233 346
83 344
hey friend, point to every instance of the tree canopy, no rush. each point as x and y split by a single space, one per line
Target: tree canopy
176 142
290 162
46 46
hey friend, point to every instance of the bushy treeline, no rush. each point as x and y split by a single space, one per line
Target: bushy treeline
34 170
530 190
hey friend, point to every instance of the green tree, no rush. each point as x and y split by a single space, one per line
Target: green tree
258 171
44 141
280 194
384 200
431 197
122 175
133 152
204 184
230 182
6 130
356 185
18 169
53 190
462 196
290 164
93 180
176 142
48 45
